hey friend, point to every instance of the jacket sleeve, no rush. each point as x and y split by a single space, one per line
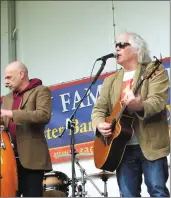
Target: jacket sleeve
101 107
4 120
1 119
42 112
157 96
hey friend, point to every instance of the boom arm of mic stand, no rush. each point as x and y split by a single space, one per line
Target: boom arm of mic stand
93 82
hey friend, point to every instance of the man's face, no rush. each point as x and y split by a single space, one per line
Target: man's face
124 50
13 78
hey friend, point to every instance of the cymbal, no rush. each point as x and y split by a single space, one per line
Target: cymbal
102 174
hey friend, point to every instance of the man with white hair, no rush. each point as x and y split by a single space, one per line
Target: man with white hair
25 112
146 152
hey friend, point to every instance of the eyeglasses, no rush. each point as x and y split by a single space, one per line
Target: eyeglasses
122 45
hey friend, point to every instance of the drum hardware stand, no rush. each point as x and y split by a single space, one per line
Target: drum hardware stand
70 124
3 145
83 179
80 191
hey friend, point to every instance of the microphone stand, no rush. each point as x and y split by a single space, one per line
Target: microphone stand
70 124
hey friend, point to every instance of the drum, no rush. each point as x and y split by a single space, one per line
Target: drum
55 184
8 170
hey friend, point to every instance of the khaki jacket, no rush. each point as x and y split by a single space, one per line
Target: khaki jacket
152 128
30 120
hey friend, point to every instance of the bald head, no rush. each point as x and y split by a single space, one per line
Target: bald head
17 66
16 76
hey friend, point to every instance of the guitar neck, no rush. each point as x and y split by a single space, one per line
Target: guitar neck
138 86
121 112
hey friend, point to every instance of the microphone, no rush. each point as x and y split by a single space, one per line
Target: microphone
104 58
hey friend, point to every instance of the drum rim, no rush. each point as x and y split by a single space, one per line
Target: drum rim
57 174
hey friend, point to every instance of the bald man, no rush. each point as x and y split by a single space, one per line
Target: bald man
25 112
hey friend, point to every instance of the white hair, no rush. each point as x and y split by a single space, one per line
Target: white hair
137 42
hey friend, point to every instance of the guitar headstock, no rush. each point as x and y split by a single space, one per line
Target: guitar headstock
151 72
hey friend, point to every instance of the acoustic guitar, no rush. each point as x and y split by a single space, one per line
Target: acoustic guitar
108 151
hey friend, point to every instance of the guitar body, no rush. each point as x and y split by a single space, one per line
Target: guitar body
108 152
